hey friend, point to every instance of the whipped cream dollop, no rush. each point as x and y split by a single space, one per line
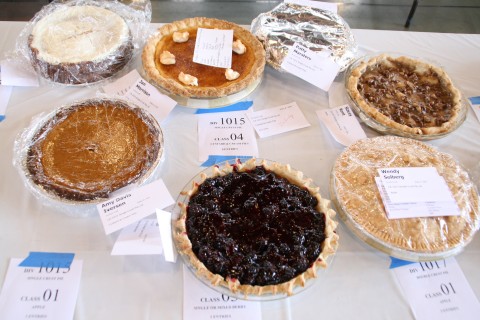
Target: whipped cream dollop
187 79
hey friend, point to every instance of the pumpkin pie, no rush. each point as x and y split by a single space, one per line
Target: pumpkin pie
168 60
85 151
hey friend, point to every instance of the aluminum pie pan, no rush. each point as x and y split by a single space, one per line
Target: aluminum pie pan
317 29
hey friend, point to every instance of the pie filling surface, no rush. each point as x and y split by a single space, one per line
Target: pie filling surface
88 150
405 93
256 229
80 44
207 76
212 81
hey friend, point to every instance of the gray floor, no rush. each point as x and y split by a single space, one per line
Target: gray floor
459 16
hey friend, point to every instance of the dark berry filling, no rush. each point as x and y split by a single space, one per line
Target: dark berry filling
255 227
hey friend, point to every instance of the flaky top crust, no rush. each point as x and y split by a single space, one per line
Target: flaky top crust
175 87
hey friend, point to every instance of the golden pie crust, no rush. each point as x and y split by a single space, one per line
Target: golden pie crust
328 247
211 80
406 94
359 203
86 151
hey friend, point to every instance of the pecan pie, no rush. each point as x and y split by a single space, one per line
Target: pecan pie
359 203
256 228
406 94
80 44
85 151
168 60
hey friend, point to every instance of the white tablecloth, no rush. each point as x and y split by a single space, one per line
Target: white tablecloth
358 284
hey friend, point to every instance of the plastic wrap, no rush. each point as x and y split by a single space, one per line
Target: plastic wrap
82 42
406 105
359 204
253 267
317 29
84 152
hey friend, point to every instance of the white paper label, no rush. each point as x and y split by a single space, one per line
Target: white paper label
142 237
148 97
136 89
48 293
203 303
213 47
226 134
5 93
123 84
414 184
269 122
15 74
164 219
342 124
476 107
415 210
127 208
438 290
333 7
313 67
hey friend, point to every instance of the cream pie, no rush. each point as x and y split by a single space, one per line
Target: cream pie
80 44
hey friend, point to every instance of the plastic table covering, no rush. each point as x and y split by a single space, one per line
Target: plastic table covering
358 283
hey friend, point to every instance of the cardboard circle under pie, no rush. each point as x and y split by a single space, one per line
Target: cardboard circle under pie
358 202
233 287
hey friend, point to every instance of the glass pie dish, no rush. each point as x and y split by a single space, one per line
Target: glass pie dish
244 249
83 152
359 204
397 105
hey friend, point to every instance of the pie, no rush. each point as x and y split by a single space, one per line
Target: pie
256 228
359 203
80 44
86 151
168 60
406 94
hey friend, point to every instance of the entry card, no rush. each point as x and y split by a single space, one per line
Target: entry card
141 237
278 120
5 93
416 209
414 184
202 303
342 124
15 74
136 89
47 292
475 103
213 47
316 68
438 290
133 205
225 134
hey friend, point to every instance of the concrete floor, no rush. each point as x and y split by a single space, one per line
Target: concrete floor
459 16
